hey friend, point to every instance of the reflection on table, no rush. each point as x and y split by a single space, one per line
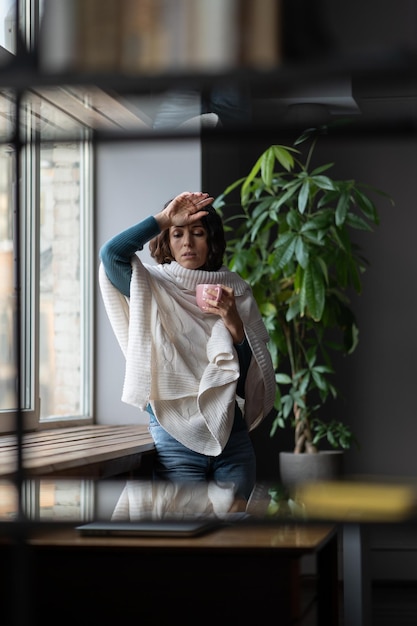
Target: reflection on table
49 499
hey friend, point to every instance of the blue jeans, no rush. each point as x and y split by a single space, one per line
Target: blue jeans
236 464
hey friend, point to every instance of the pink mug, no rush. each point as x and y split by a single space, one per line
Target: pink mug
202 295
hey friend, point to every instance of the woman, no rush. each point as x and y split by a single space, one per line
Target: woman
205 377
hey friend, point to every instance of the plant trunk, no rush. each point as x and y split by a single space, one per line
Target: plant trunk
303 436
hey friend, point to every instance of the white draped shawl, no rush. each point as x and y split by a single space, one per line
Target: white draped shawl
182 361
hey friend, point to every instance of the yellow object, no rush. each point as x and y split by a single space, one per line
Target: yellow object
358 501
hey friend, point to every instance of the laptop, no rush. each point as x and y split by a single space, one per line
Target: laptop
150 528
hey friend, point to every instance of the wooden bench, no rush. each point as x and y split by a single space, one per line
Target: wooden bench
93 451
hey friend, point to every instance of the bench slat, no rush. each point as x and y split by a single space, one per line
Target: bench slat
79 447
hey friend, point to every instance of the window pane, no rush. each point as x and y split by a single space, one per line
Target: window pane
7 28
62 346
8 501
70 500
61 500
7 293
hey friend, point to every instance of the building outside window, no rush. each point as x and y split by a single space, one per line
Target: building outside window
64 283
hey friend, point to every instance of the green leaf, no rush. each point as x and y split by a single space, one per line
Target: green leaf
319 380
367 206
355 221
293 310
267 166
285 249
323 182
303 195
313 291
301 252
321 169
291 193
342 208
248 180
283 155
283 379
294 220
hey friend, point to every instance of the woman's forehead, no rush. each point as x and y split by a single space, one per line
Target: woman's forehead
198 224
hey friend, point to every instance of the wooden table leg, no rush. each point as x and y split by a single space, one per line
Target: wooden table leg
328 584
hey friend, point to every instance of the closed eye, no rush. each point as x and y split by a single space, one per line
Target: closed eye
177 234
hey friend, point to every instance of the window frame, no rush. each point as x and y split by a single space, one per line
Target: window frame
87 300
26 235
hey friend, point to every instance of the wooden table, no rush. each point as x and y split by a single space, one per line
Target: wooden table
239 574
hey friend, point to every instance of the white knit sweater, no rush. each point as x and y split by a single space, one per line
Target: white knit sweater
182 361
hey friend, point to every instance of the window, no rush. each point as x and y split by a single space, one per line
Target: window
71 500
7 300
55 262
46 239
65 262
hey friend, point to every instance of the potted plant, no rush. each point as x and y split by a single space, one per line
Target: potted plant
293 241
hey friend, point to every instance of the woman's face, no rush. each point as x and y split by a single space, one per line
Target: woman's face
189 245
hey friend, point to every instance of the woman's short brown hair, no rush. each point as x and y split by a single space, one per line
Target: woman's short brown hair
216 242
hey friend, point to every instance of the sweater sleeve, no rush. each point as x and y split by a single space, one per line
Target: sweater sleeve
117 252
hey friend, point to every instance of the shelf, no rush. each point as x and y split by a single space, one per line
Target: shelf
381 96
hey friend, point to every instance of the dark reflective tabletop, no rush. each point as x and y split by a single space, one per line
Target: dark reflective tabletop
75 500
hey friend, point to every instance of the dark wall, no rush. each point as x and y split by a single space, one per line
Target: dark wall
329 29
377 382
